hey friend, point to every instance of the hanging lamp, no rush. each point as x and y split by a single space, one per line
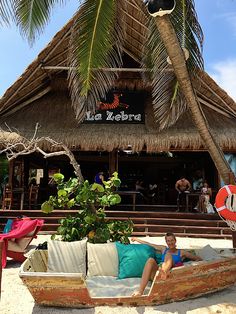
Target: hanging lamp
160 7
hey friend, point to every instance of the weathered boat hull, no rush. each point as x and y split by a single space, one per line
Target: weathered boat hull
70 290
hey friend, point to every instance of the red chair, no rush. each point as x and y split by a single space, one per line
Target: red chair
18 239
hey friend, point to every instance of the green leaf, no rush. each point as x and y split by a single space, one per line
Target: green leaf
117 182
98 187
114 199
58 177
90 219
46 207
71 203
62 193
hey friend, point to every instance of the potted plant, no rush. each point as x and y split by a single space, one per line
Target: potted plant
90 220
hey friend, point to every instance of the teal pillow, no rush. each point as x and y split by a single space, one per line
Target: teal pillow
8 226
158 257
132 259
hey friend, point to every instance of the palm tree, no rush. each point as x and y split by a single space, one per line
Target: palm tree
97 40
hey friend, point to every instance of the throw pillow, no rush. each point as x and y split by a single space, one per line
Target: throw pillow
132 259
102 259
207 253
67 257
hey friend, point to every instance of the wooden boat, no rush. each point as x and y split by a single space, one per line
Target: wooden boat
71 289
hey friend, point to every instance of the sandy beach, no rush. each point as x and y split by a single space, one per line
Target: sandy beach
16 299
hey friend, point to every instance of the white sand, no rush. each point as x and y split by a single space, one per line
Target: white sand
16 298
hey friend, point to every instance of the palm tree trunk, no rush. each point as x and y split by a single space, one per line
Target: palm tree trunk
176 55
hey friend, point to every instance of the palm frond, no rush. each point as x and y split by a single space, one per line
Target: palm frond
168 102
96 43
189 32
33 15
6 11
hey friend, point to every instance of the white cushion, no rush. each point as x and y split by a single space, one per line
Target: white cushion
108 286
102 259
67 257
207 253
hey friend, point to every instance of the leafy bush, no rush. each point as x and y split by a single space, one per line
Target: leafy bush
90 221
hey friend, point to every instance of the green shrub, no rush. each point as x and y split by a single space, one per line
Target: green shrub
90 221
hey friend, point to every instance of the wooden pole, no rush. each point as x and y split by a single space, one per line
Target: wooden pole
113 161
232 181
1 246
10 172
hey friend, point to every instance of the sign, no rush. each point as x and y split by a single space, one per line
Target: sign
119 107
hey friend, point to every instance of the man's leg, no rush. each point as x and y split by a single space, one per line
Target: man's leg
149 272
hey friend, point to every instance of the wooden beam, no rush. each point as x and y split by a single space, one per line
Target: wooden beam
28 101
217 95
131 55
213 107
56 68
135 20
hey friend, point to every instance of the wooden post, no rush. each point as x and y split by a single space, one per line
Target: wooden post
232 181
26 172
113 161
1 246
10 171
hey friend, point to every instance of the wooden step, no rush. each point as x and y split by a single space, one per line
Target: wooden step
181 221
135 214
187 235
145 222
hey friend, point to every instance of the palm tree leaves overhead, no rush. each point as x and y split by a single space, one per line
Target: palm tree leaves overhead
33 15
96 43
168 102
188 31
6 11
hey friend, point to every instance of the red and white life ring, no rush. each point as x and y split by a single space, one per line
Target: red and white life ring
221 197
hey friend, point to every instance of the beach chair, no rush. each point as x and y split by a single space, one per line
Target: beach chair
18 239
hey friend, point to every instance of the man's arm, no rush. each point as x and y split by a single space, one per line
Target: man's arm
189 186
157 247
177 186
190 256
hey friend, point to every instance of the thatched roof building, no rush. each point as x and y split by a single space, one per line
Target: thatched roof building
41 96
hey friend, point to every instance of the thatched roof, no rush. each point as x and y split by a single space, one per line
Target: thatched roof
40 95
55 115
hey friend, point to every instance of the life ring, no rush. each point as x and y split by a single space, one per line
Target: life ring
221 197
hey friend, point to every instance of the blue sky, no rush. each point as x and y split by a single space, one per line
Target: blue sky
217 17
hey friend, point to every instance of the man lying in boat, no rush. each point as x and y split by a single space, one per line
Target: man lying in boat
171 257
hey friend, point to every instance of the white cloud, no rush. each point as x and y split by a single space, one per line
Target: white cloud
224 73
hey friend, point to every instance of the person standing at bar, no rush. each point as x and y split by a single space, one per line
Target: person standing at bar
182 186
